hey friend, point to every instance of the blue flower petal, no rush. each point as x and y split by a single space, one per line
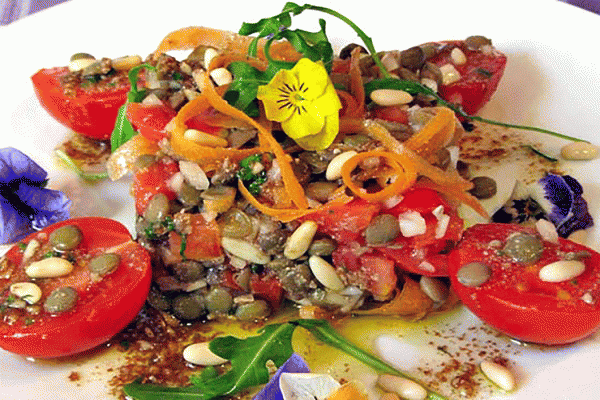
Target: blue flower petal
566 208
15 165
50 206
271 391
14 226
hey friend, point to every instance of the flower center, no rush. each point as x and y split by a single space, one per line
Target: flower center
291 96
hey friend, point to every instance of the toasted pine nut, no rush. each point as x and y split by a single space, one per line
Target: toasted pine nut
434 288
198 75
194 175
579 151
547 230
126 63
205 139
449 74
390 97
458 56
561 271
405 388
325 273
299 241
200 354
221 76
499 375
30 250
51 267
244 250
334 168
27 291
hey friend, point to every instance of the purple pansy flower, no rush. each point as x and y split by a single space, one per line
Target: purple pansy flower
271 391
25 204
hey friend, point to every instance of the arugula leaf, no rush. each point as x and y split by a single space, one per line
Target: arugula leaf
123 130
248 362
417 88
243 90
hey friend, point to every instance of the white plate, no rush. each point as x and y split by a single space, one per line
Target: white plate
550 80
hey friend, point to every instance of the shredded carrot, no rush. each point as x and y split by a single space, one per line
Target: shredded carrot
356 84
409 301
405 176
291 184
350 107
436 134
194 36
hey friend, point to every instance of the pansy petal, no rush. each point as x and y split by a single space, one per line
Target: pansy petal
312 78
303 124
323 139
275 94
14 226
271 390
50 206
329 103
15 165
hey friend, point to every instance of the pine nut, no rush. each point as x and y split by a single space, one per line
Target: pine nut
390 97
434 288
449 74
209 54
194 175
27 291
547 230
458 56
205 139
579 151
579 236
126 63
244 250
200 354
430 83
405 388
299 241
325 273
198 76
30 250
499 375
561 271
51 267
80 63
334 168
221 76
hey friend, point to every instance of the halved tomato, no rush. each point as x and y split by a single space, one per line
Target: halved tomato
105 303
512 295
91 111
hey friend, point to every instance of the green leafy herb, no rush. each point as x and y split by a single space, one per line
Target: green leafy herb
123 130
417 88
540 153
91 176
249 358
247 173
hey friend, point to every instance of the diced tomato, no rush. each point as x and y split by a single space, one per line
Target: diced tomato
267 287
153 180
104 306
150 120
92 111
345 223
381 276
514 299
479 80
202 243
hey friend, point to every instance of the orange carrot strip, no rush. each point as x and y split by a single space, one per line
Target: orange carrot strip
350 107
193 36
291 184
436 134
406 175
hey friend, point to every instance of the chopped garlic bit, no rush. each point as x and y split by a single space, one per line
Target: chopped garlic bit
412 224
442 222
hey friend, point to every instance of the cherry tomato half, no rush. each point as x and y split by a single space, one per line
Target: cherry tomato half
91 111
514 299
105 304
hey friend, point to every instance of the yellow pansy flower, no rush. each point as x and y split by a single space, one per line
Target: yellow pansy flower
304 101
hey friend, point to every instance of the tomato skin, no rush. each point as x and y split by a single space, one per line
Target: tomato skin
90 113
103 308
153 180
515 301
267 287
480 76
150 120
203 242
